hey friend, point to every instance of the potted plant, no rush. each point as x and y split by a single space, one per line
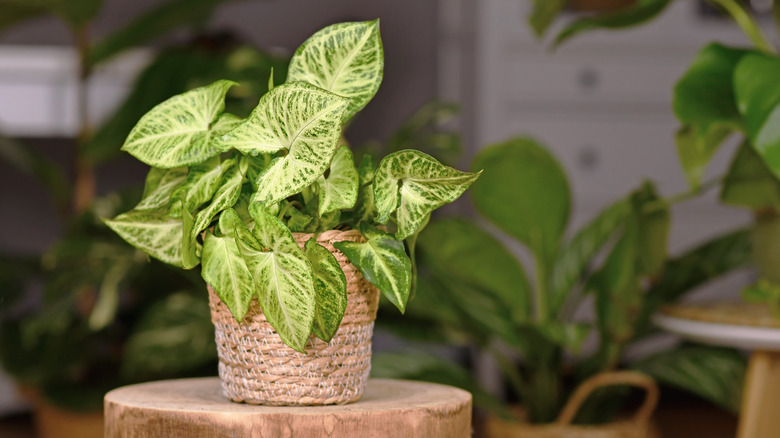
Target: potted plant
473 290
295 241
90 313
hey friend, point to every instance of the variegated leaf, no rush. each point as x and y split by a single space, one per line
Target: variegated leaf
160 185
383 262
201 182
340 189
296 219
299 118
225 270
330 286
345 58
153 232
225 123
415 184
225 196
366 170
281 273
178 132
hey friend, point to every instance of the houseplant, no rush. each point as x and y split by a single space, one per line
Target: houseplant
473 290
94 308
727 92
283 170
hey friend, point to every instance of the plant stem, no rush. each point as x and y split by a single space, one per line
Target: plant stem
512 374
746 23
661 204
540 297
84 180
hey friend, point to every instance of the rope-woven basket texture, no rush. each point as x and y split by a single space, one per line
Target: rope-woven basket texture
256 367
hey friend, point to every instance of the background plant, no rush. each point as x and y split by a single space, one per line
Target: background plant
104 314
727 93
473 290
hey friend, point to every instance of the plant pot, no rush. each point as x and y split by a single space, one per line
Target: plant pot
256 367
54 422
639 426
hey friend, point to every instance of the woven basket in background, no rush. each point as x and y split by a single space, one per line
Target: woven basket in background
256 367
640 426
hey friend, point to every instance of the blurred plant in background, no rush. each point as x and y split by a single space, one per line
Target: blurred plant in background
92 313
473 290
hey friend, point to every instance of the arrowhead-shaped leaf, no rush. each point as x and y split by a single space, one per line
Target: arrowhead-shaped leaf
178 132
749 182
340 189
225 270
758 99
383 262
300 118
415 184
344 58
153 232
281 273
330 285
704 102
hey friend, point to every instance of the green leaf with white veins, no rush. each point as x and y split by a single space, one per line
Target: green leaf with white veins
340 189
415 184
201 182
225 270
178 132
299 118
330 285
344 58
281 273
153 232
383 262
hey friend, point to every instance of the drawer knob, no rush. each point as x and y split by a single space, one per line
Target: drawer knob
588 78
588 157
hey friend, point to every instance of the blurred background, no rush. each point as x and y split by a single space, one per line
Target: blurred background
601 103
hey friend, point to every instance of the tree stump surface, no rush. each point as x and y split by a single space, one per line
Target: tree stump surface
196 408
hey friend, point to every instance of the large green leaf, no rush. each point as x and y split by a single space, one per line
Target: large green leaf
178 132
577 256
383 262
716 374
638 12
151 231
152 23
173 336
339 190
758 100
749 182
704 102
414 184
282 275
469 255
330 285
344 58
300 118
544 13
524 192
225 270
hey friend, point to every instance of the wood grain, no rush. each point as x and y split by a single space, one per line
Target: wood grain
196 408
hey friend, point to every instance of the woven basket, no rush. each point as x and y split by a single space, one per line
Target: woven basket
639 426
256 367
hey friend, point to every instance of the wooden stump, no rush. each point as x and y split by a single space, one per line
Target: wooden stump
196 408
